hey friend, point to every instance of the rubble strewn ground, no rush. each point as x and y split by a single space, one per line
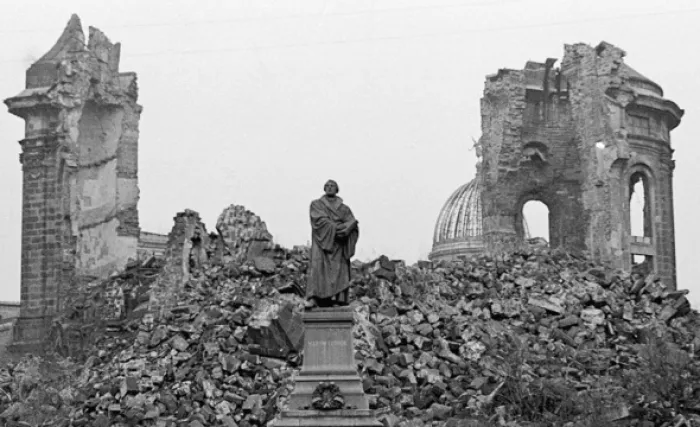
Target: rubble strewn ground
5 339
533 337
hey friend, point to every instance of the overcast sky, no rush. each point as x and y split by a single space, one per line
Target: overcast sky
258 102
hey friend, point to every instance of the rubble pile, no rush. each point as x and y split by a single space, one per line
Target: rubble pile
244 233
96 312
201 363
536 336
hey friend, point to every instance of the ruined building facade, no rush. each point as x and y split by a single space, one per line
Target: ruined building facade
578 137
79 161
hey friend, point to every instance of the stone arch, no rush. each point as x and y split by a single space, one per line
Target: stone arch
641 172
539 196
642 247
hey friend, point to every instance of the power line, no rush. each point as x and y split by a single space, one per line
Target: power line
402 37
290 17
416 36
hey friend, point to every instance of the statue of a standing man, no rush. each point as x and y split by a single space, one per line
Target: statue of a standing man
334 234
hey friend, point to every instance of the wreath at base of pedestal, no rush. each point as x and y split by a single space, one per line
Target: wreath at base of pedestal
327 397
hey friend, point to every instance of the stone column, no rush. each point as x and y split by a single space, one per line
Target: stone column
42 255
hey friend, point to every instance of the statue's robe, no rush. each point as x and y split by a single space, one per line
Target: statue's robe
330 254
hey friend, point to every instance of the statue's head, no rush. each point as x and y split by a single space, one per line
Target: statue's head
331 188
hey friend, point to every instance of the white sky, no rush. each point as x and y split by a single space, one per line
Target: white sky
259 102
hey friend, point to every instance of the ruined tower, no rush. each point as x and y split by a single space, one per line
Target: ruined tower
79 161
579 138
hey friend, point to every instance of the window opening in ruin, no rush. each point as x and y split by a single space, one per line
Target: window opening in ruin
640 208
642 264
536 223
535 152
639 125
640 220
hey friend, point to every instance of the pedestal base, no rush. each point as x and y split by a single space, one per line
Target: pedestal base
339 418
328 358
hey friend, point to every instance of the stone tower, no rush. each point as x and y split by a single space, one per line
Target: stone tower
578 138
79 161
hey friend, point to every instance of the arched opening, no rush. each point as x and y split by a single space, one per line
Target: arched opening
535 216
640 219
640 208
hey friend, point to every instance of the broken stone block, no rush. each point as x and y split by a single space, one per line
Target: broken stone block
569 321
439 412
160 333
179 343
505 308
547 303
276 330
383 268
679 306
525 282
130 385
264 264
475 289
253 403
244 233
593 316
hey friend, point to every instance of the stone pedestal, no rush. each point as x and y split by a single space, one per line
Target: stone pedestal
328 358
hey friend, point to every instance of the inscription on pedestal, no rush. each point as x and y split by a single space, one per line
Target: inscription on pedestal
323 354
328 349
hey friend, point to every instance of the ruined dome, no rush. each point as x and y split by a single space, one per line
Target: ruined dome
640 81
458 229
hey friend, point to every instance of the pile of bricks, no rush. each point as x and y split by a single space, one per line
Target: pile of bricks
527 338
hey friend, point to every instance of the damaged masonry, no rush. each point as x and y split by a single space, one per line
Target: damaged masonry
80 162
580 139
210 330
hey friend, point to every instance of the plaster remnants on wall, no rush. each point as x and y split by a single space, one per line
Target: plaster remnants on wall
80 163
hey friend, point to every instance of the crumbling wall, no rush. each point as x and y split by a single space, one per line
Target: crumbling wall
242 242
79 159
102 197
573 138
152 245
186 250
528 154
244 234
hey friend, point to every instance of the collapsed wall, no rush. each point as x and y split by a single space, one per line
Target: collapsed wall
79 160
579 138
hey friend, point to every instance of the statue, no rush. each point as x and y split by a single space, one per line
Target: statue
334 234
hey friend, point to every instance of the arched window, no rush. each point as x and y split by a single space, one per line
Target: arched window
640 220
535 216
640 205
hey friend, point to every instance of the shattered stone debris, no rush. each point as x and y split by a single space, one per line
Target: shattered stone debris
201 328
444 343
580 138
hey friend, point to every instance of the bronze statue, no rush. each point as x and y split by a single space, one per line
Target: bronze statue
334 234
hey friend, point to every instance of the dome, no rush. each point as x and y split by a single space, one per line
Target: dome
458 229
640 81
